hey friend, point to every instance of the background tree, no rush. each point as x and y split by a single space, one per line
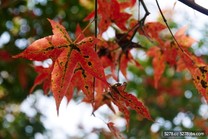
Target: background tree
23 22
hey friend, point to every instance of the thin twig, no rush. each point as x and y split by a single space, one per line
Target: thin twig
119 62
165 21
95 19
134 29
141 22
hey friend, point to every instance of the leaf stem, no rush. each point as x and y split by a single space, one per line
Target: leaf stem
140 22
165 21
95 19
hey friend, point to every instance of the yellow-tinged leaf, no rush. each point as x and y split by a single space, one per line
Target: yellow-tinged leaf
183 39
200 78
61 37
62 73
40 50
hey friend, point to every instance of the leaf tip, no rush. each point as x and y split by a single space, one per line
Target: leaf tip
17 55
49 19
52 22
57 108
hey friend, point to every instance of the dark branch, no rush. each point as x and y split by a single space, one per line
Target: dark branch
195 6
141 22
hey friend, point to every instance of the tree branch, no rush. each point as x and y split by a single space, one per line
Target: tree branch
195 6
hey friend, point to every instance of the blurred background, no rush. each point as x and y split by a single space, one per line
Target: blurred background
175 105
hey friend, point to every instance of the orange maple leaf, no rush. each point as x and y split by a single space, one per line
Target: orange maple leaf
110 12
66 55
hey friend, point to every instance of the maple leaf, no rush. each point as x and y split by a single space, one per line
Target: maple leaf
199 72
116 94
66 55
82 53
124 60
83 81
200 77
118 17
110 12
123 64
124 100
152 30
166 51
131 100
158 63
44 76
121 106
47 50
198 69
184 40
170 53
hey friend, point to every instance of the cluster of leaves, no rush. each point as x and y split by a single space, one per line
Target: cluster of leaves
176 54
81 63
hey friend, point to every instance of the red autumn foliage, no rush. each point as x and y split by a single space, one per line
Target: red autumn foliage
81 63
110 13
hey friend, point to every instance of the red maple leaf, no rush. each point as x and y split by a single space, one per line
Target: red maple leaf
152 30
110 12
199 71
158 63
124 100
116 94
66 55
196 66
165 51
82 81
44 77
183 39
